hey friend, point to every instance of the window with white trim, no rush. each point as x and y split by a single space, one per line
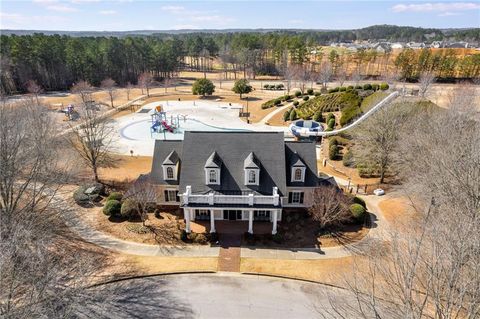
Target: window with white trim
202 214
295 197
252 177
212 176
169 173
298 174
171 195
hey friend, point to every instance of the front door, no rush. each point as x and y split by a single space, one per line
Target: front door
232 214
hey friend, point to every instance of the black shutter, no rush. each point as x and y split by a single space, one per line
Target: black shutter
165 192
178 197
301 197
290 197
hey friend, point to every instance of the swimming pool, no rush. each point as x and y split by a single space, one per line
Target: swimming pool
140 130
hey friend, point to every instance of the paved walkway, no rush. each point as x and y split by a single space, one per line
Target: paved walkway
229 257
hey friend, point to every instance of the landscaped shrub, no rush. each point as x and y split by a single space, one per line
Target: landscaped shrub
330 116
358 211
287 97
310 91
332 141
318 117
350 87
271 86
266 86
331 123
212 237
317 93
333 152
279 86
112 207
277 101
358 200
298 93
296 103
367 86
348 159
115 195
129 209
286 115
342 89
375 87
358 87
384 86
306 97
333 90
293 115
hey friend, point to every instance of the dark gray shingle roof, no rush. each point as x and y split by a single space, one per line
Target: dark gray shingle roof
162 150
251 161
171 158
232 148
213 161
304 151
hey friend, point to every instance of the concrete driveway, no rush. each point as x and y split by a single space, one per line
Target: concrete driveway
219 295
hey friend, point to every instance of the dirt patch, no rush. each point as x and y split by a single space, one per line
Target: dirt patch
127 168
331 271
397 210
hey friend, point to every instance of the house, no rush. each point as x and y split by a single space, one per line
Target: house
247 176
415 45
397 45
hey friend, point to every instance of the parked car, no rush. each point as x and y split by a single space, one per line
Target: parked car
379 192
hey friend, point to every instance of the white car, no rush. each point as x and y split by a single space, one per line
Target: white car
379 192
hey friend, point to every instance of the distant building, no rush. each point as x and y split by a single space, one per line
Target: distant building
415 45
457 45
396 45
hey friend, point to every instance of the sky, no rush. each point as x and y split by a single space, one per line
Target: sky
124 15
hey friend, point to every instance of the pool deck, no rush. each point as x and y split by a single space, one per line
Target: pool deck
207 115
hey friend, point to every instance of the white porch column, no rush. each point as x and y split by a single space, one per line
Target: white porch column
250 221
212 221
274 221
186 213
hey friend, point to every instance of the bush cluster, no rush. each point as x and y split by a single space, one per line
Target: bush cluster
293 115
333 151
129 209
306 97
296 103
112 207
310 91
298 93
348 159
115 195
358 211
273 86
318 117
286 115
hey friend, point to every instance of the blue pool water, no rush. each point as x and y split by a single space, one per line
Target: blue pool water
140 130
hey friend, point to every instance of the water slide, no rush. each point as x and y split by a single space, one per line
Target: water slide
167 127
299 131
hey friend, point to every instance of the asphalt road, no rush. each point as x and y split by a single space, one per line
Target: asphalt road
220 295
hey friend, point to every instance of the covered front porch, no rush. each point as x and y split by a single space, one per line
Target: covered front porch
233 219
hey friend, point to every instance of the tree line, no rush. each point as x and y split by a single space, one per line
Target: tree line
56 62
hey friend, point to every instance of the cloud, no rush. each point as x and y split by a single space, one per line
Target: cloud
173 9
436 7
55 5
107 12
448 14
16 21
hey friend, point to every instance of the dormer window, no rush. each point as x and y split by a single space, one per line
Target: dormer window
212 169
170 173
298 174
298 169
170 166
212 177
251 167
252 177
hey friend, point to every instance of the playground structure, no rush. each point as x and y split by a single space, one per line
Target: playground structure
160 122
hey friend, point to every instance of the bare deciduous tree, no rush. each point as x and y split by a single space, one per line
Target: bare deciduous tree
143 194
128 90
110 86
145 81
341 75
44 271
330 207
357 76
84 90
33 88
425 80
430 268
325 74
376 139
92 140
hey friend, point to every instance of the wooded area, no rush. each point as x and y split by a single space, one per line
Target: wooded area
55 62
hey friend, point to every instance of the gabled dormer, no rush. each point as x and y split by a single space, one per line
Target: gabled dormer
213 168
298 169
251 168
170 166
